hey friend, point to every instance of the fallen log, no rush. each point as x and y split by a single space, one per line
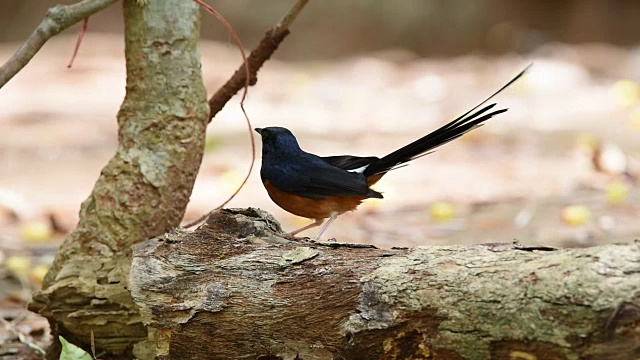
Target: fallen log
231 289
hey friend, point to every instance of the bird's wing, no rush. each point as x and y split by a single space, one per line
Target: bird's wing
349 162
332 181
318 180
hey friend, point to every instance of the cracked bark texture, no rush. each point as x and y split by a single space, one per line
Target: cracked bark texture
232 290
142 192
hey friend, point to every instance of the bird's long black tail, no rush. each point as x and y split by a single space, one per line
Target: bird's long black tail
456 128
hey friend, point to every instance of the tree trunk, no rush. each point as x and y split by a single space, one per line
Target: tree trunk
232 290
142 192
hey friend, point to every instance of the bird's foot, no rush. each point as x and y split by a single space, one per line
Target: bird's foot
322 241
292 237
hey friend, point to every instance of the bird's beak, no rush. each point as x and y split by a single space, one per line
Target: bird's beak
258 130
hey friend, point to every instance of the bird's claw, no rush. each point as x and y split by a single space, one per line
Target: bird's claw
291 237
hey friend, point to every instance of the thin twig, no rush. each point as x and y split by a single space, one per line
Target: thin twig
290 17
235 37
21 337
58 18
93 345
85 25
247 75
18 319
245 66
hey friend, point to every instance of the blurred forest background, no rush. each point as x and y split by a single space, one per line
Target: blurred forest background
358 77
334 29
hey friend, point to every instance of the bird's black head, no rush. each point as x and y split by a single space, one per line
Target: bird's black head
277 139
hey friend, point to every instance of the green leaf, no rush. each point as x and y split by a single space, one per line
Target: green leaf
72 352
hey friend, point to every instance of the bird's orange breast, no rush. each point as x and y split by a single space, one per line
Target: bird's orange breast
312 208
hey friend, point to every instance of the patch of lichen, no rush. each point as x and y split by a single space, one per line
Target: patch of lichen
481 296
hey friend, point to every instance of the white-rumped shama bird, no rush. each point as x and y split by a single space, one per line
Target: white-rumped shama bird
318 187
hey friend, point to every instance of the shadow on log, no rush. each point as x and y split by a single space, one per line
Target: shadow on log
231 290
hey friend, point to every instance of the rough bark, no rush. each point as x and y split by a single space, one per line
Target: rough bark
233 290
143 191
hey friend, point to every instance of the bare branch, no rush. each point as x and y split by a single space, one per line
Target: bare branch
291 16
10 326
256 59
58 18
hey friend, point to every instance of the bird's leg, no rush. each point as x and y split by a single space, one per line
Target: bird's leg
292 234
331 219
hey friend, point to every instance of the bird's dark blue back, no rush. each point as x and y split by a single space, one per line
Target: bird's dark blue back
290 169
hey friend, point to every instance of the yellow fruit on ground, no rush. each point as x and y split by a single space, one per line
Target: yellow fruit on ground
18 265
627 92
634 118
38 272
36 231
442 211
575 215
617 192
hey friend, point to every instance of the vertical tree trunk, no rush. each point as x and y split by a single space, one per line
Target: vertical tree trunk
143 191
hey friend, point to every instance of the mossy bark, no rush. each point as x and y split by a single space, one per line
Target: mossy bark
232 290
144 189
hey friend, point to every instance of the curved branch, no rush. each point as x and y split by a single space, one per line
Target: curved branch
58 18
